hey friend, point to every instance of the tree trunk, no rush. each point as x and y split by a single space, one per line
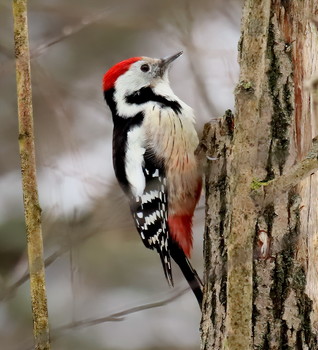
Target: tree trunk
261 239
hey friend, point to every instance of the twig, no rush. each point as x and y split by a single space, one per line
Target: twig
115 317
9 291
118 316
274 188
32 210
185 31
70 30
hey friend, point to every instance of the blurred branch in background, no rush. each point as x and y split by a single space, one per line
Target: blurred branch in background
82 229
67 31
185 30
70 30
69 234
32 210
115 317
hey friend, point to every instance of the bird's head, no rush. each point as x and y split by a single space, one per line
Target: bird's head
135 73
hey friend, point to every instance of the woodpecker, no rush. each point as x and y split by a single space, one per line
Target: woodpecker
154 140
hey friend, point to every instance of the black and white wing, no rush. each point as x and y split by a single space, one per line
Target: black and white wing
150 211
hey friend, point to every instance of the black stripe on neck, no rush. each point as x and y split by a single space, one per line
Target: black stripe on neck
109 98
146 94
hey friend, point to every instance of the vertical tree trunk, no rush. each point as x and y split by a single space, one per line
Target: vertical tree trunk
261 239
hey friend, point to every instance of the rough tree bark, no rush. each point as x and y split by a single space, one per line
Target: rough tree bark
261 239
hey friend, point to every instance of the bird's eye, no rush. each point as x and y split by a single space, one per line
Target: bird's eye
145 68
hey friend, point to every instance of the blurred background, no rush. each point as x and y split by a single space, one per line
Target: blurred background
96 263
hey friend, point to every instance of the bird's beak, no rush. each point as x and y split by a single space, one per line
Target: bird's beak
165 62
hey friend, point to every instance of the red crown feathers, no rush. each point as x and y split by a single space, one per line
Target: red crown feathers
116 71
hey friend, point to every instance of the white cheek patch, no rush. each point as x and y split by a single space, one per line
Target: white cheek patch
126 84
134 161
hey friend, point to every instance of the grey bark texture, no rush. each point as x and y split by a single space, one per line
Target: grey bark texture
261 238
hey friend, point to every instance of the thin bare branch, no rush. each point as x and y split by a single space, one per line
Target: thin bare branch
274 188
68 31
32 210
185 30
115 317
118 316
9 292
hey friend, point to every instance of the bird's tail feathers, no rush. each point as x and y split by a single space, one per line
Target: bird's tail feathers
188 271
166 264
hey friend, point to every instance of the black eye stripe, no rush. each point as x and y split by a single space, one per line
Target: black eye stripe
145 67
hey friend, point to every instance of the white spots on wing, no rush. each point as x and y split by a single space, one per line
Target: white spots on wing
150 219
162 243
155 238
149 196
134 160
151 216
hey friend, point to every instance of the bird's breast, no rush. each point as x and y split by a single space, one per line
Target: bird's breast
173 138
